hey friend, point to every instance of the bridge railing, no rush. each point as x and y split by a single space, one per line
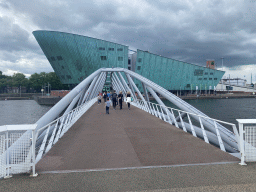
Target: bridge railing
19 160
32 147
57 128
182 119
247 130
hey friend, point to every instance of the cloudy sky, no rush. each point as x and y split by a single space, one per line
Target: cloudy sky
186 30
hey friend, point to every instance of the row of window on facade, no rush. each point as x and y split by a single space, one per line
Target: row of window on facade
105 58
58 57
110 49
206 78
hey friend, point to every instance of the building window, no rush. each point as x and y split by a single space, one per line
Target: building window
59 58
120 58
205 78
111 49
103 58
68 76
188 85
199 78
62 67
129 61
129 68
210 78
215 79
198 72
211 73
120 49
139 60
53 59
206 73
101 48
138 68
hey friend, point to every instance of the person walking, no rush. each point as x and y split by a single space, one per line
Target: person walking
108 103
120 99
108 94
114 98
99 99
128 99
105 96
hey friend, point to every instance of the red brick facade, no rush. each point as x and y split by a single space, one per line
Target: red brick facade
59 93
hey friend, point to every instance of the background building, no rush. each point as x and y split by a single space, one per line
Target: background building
74 57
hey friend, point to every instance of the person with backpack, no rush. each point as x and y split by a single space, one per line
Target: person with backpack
114 98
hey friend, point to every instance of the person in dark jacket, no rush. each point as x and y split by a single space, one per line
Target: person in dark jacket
114 98
105 96
120 99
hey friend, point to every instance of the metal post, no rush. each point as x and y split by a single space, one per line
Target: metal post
7 157
34 174
241 132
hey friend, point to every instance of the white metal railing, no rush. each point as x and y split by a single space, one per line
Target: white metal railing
57 128
32 147
185 122
247 130
18 160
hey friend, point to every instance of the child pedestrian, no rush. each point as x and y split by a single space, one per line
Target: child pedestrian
108 103
99 99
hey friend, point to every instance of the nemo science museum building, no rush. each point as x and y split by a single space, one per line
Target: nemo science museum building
75 57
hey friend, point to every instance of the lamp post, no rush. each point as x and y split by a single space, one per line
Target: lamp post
222 70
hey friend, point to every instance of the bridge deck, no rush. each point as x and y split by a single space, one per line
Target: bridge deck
126 138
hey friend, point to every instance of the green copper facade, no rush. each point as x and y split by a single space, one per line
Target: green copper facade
175 75
74 57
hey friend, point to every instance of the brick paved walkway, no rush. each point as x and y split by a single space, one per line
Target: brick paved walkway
126 138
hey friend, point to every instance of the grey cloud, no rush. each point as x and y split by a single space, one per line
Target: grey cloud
187 30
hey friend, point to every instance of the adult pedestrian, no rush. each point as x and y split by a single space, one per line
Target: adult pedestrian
120 99
114 98
105 96
128 99
108 103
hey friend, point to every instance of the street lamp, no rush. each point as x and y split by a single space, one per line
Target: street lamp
222 70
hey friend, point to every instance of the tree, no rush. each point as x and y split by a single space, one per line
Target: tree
55 82
35 82
19 79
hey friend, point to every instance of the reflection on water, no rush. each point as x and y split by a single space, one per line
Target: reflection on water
21 112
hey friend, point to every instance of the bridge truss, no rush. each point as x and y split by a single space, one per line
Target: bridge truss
31 144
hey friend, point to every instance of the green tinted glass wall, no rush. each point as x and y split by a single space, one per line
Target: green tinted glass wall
74 57
175 75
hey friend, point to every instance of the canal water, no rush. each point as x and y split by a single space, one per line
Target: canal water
28 111
21 112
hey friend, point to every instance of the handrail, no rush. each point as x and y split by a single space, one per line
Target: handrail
157 113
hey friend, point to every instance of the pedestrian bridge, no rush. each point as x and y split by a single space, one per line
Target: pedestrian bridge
77 134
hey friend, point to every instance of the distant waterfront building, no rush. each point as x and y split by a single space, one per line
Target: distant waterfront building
235 81
75 57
